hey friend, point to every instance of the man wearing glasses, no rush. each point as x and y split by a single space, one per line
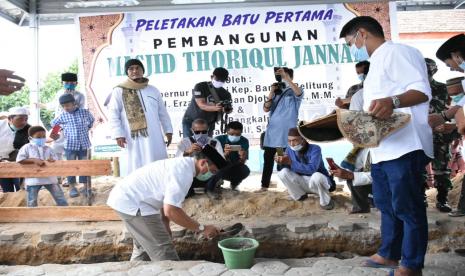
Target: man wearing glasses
398 81
191 145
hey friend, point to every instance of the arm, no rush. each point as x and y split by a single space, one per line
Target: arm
315 160
178 216
362 178
115 107
202 103
269 101
164 116
91 119
166 222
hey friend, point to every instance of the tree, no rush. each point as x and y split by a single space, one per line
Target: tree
48 90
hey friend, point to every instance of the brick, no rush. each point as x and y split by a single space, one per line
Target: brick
361 225
263 228
52 236
306 226
341 226
93 234
126 237
270 268
208 269
11 235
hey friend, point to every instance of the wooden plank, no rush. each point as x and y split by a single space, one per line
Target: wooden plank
57 214
57 168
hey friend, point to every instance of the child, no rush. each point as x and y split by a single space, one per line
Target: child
36 152
75 123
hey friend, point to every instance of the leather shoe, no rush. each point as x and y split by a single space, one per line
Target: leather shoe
443 207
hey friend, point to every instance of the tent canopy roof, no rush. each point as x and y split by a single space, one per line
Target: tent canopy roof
64 11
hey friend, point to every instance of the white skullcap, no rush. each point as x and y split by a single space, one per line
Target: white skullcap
18 111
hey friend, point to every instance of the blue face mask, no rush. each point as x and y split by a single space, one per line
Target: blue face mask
69 86
360 54
462 65
205 176
457 98
14 128
234 139
361 77
40 142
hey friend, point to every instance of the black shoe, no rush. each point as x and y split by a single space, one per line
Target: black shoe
302 198
457 213
443 207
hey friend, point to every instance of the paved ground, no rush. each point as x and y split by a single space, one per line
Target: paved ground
449 264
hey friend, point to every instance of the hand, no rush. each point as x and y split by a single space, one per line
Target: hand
227 149
435 120
381 108
460 119
343 174
243 155
121 141
218 107
9 82
339 102
194 148
210 231
39 162
284 160
55 136
169 138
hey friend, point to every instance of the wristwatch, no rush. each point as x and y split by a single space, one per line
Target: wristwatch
201 228
395 101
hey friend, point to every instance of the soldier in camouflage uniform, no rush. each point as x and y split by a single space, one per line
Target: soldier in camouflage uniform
443 136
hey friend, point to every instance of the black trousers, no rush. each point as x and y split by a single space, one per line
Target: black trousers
268 164
233 173
359 194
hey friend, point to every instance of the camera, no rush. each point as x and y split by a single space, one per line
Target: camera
227 105
280 84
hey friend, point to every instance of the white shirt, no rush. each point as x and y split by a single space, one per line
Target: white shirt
43 153
360 177
186 144
395 69
148 188
356 102
7 137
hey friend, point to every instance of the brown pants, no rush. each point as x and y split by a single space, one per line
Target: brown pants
150 239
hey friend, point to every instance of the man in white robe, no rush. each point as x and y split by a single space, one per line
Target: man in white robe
137 117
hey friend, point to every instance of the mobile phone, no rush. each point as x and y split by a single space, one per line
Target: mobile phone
280 151
235 147
332 164
55 130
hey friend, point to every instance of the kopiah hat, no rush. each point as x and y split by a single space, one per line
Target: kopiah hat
212 154
293 132
66 98
453 44
132 62
18 110
68 77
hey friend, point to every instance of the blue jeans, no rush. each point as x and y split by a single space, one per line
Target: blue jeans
76 155
54 189
10 185
398 191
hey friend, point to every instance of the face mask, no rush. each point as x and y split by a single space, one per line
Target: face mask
361 77
217 84
360 54
297 148
40 142
234 139
457 98
205 176
69 86
462 65
201 139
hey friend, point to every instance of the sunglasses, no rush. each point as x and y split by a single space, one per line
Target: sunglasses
200 131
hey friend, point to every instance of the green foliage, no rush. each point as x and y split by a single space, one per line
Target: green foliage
48 90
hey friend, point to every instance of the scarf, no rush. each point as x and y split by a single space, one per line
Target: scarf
133 105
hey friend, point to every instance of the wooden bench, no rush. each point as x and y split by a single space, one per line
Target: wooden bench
50 214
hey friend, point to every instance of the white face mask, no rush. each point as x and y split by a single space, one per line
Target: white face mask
217 84
361 77
297 148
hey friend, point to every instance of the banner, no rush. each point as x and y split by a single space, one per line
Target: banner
180 48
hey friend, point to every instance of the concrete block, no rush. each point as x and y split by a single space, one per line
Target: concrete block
341 226
306 226
368 271
29 271
240 272
92 270
263 228
208 269
126 237
93 234
11 235
304 271
375 224
175 273
150 269
361 225
331 267
52 236
178 232
270 268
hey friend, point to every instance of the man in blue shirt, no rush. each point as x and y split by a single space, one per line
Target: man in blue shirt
236 152
304 171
